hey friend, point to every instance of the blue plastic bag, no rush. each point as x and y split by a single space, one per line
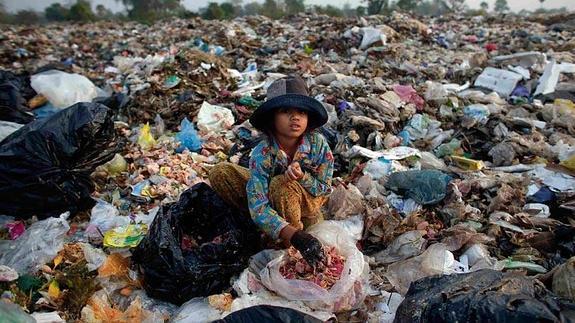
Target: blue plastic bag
188 137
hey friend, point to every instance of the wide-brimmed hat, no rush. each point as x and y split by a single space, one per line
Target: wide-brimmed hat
289 92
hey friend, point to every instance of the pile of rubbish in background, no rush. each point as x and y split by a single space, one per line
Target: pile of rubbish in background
454 141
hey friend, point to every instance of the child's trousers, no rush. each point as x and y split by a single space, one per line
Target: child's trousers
292 202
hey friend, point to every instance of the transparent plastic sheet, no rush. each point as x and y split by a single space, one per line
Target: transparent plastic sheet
407 245
38 245
347 293
436 260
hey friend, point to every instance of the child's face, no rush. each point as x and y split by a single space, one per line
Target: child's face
290 122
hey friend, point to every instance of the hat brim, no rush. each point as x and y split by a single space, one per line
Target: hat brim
317 115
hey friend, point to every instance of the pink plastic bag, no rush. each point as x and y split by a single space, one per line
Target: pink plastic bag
408 94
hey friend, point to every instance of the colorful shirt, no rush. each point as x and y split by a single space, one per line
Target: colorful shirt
267 161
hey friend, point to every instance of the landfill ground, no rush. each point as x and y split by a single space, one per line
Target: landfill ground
454 183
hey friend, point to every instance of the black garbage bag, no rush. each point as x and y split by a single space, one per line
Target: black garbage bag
482 296
116 101
45 166
268 313
15 90
226 238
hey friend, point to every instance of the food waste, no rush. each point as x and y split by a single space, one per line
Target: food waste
325 274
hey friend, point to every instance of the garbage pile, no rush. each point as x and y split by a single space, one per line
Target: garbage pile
454 141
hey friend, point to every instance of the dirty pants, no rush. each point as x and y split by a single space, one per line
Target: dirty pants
292 202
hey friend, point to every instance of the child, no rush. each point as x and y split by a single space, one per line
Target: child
290 173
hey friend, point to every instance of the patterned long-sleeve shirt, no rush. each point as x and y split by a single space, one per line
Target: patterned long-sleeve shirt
267 161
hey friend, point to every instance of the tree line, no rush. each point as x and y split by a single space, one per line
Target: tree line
148 11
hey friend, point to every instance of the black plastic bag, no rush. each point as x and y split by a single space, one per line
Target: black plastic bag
45 166
268 313
15 90
482 296
226 239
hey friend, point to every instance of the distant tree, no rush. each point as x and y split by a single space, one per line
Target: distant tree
4 17
252 9
26 17
56 12
294 6
360 11
228 9
272 9
501 6
329 10
484 6
104 13
348 11
82 11
213 11
150 10
407 5
375 7
456 5
432 8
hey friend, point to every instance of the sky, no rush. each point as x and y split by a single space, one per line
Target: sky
515 5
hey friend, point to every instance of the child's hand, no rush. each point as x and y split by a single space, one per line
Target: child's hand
294 172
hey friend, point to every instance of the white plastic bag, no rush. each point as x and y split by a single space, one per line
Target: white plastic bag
347 293
196 310
371 36
213 118
104 217
38 245
64 89
436 260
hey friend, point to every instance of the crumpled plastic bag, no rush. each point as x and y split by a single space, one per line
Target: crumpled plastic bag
405 246
345 202
482 296
436 260
188 137
424 186
7 128
213 118
226 240
99 310
104 217
46 165
15 90
145 139
346 294
408 94
196 310
371 36
38 245
63 89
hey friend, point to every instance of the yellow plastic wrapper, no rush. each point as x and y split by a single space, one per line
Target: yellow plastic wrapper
467 164
145 140
126 236
569 163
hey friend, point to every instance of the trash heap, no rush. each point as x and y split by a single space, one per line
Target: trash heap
455 168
